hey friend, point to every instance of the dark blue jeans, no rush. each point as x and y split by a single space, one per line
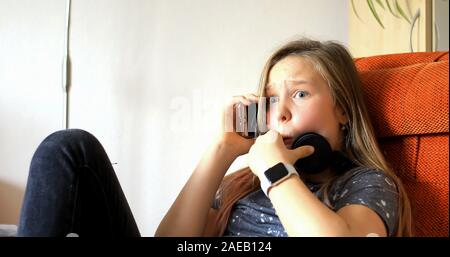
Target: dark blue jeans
72 188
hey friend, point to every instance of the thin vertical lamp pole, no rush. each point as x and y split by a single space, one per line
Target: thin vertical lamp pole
66 69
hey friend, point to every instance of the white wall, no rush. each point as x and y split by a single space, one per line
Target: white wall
148 79
440 9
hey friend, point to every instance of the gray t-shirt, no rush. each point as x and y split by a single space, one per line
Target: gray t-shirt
254 214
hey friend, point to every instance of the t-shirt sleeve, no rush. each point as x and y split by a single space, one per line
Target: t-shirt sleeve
371 188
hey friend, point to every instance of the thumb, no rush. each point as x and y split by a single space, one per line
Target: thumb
302 151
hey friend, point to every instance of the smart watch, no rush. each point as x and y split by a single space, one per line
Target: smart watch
275 175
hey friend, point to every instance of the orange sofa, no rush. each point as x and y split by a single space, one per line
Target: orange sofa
407 97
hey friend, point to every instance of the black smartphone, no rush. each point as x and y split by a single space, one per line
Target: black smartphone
247 120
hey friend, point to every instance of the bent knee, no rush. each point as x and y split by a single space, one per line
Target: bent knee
70 135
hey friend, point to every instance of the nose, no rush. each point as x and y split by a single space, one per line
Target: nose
283 113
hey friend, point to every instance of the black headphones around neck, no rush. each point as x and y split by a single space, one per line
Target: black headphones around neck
323 156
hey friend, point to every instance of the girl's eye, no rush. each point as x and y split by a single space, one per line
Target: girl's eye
271 102
301 94
273 99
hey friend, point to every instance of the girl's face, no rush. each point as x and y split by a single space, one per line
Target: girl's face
300 101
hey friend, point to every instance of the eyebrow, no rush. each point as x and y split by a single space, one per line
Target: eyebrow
292 82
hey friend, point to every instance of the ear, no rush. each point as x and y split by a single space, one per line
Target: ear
340 115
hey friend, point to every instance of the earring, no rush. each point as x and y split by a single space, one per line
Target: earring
344 127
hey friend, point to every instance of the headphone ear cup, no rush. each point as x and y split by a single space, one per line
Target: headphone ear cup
319 160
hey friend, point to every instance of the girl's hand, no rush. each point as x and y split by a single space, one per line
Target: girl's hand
269 150
228 136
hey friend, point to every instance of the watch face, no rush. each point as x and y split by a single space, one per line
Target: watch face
276 173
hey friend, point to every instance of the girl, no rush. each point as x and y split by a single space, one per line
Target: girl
313 87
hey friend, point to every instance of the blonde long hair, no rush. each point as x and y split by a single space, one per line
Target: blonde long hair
336 66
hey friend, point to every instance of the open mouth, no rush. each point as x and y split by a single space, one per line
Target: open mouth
287 141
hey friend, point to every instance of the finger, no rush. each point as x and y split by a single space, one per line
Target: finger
229 121
252 97
240 99
272 136
274 133
302 151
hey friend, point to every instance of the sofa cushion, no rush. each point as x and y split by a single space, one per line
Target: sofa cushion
410 100
407 97
388 61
